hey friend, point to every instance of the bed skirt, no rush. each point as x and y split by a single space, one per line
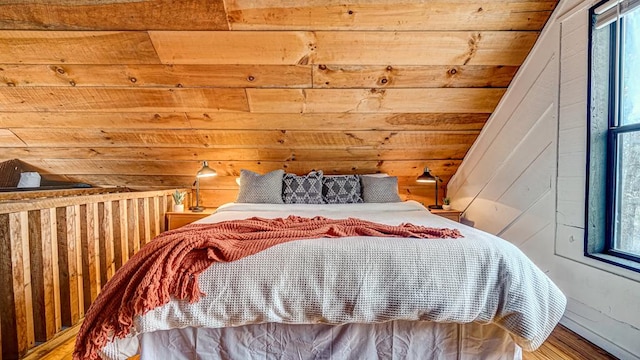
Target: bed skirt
388 340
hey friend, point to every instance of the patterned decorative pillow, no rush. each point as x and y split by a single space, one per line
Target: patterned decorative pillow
306 189
380 189
256 188
342 189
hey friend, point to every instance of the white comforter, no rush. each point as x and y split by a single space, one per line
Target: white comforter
478 278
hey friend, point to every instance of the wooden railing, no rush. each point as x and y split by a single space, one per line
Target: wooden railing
56 254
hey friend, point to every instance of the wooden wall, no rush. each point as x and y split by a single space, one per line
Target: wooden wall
137 93
524 180
57 253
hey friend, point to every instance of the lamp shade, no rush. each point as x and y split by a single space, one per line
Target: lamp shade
206 171
426 177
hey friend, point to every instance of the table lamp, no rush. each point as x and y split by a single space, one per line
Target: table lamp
426 177
205 171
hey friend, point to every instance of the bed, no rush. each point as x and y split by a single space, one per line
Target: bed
357 297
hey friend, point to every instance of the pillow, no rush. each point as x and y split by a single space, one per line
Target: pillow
341 189
306 189
256 188
380 189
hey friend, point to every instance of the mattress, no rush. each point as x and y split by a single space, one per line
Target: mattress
478 279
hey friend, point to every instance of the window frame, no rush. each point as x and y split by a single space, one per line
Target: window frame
613 196
603 249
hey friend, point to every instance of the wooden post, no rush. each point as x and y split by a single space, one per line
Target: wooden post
123 221
133 226
63 266
1 336
90 253
143 216
75 280
117 234
163 210
21 273
154 220
52 272
107 266
8 318
37 255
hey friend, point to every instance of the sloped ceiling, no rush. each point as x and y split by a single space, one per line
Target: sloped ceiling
137 93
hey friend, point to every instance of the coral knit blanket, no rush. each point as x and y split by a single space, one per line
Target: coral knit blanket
169 265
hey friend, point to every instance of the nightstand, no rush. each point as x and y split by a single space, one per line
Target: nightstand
178 219
449 214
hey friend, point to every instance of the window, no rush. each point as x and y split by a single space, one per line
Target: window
613 191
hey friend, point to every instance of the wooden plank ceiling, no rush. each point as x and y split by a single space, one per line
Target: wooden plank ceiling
137 92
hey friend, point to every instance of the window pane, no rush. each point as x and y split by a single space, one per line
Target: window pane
627 237
630 86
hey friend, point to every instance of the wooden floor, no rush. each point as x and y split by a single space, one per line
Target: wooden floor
563 344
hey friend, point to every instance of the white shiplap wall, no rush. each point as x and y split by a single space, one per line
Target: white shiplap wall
524 180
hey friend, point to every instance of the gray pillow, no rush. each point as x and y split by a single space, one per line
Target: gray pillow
306 189
380 189
256 188
341 189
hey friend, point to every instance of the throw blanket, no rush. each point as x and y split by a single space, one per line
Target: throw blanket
170 265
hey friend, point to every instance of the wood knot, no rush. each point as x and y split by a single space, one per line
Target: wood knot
389 68
453 71
350 12
384 81
304 60
250 78
480 9
179 85
60 70
10 84
133 80
322 67
72 83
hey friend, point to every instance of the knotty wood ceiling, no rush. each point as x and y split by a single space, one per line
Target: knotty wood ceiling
137 92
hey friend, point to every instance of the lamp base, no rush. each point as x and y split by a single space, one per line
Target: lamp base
196 208
434 206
